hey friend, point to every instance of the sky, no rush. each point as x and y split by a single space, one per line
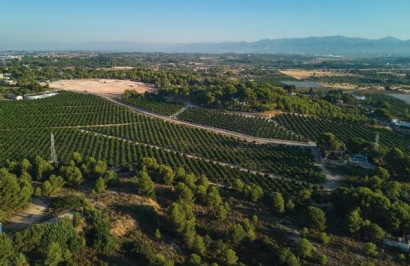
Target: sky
185 21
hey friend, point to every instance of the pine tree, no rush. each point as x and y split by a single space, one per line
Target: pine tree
278 203
100 185
145 185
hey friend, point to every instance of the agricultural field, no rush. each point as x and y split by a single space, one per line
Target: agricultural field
291 162
157 106
258 127
178 188
312 128
125 136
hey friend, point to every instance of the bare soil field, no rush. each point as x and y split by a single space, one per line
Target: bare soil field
113 87
304 74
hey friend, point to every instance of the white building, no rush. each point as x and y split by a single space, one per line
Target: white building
360 97
40 96
17 97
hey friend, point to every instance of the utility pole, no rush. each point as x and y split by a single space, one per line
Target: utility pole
53 151
376 143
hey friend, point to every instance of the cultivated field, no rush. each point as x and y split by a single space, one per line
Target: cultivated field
113 87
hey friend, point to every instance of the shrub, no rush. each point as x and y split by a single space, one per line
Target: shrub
6 249
230 257
145 185
66 203
194 260
370 249
305 248
286 257
278 203
324 238
236 234
100 185
98 231
314 218
198 245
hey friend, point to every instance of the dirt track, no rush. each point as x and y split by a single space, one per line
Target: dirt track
36 212
213 129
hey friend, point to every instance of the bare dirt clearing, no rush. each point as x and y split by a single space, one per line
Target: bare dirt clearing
303 74
114 87
36 212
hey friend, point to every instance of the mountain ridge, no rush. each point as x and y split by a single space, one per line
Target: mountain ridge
315 45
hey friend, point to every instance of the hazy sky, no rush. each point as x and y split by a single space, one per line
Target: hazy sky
178 21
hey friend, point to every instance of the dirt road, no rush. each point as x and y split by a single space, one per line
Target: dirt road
36 212
238 167
212 129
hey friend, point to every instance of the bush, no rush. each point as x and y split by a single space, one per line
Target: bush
236 235
230 257
6 250
198 245
290 205
286 257
253 192
98 231
67 203
305 248
370 249
145 185
278 203
158 235
160 260
314 218
194 260
14 193
322 259
324 238
72 175
77 218
100 185
212 198
304 232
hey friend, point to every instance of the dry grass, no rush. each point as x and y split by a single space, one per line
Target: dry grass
112 87
304 74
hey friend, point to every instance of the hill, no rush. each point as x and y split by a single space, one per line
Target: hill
330 45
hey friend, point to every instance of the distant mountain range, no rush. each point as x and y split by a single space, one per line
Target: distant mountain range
332 45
